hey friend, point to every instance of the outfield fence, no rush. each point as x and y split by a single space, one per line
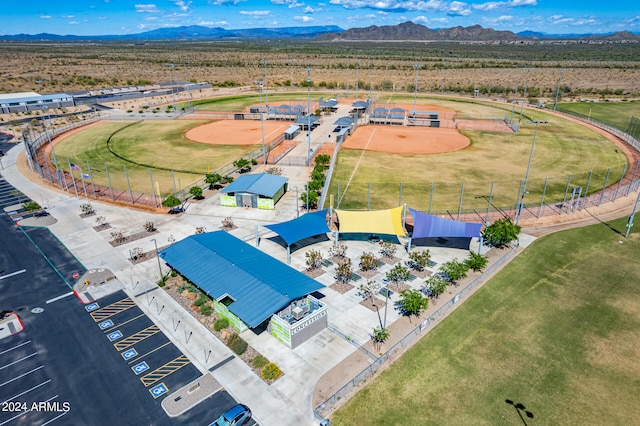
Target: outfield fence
323 410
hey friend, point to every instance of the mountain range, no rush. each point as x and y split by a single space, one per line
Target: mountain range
404 31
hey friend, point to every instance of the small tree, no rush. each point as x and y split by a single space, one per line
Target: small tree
313 259
276 171
171 202
455 270
339 251
368 261
117 237
212 179
388 249
86 209
436 285
317 175
227 222
323 159
398 273
243 165
501 232
419 260
380 335
196 191
344 271
101 220
313 199
412 302
476 261
149 226
226 179
315 186
136 252
369 289
201 229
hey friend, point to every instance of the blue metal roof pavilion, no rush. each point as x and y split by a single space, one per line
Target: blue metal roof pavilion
222 265
264 184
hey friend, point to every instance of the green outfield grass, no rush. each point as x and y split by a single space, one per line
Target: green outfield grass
557 330
562 148
157 145
616 114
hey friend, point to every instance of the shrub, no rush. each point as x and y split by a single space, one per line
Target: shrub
31 206
220 324
388 249
201 229
117 236
196 191
313 259
259 361
419 259
271 371
161 283
237 344
227 222
171 201
174 273
101 220
368 261
206 310
149 226
86 208
476 261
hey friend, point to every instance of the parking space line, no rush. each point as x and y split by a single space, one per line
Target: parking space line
21 376
106 330
54 419
62 296
138 358
26 392
15 347
22 413
15 362
114 308
167 369
135 338
12 274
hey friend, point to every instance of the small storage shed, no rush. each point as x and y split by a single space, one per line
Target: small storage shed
260 190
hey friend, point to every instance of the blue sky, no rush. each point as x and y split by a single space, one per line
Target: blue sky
100 17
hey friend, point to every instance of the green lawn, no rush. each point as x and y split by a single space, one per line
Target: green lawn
157 145
557 330
562 148
617 114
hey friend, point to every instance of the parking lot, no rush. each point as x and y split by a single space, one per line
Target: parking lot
71 364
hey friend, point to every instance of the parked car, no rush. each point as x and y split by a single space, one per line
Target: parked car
235 416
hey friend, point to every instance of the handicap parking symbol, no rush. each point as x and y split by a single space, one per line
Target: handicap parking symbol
92 307
158 390
129 354
114 335
140 368
105 324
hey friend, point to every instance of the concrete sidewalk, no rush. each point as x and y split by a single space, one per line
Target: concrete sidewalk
286 401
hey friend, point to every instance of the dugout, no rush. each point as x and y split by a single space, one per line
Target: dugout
291 132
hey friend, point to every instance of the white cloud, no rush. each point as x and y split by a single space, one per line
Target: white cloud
183 5
393 5
458 8
493 5
205 23
147 8
45 16
73 22
289 3
223 2
255 12
309 9
303 18
221 24
69 16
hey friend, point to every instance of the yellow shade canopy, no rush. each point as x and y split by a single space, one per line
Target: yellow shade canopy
372 222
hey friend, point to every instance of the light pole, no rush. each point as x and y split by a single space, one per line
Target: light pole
524 95
444 70
266 85
415 88
186 83
53 153
155 243
526 176
555 103
308 69
370 79
357 63
173 98
515 97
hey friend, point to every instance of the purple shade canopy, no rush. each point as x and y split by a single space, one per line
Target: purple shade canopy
428 226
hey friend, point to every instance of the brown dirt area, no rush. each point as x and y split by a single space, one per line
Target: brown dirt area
236 132
406 140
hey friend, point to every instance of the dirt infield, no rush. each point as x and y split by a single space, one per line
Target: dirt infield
406 140
236 132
